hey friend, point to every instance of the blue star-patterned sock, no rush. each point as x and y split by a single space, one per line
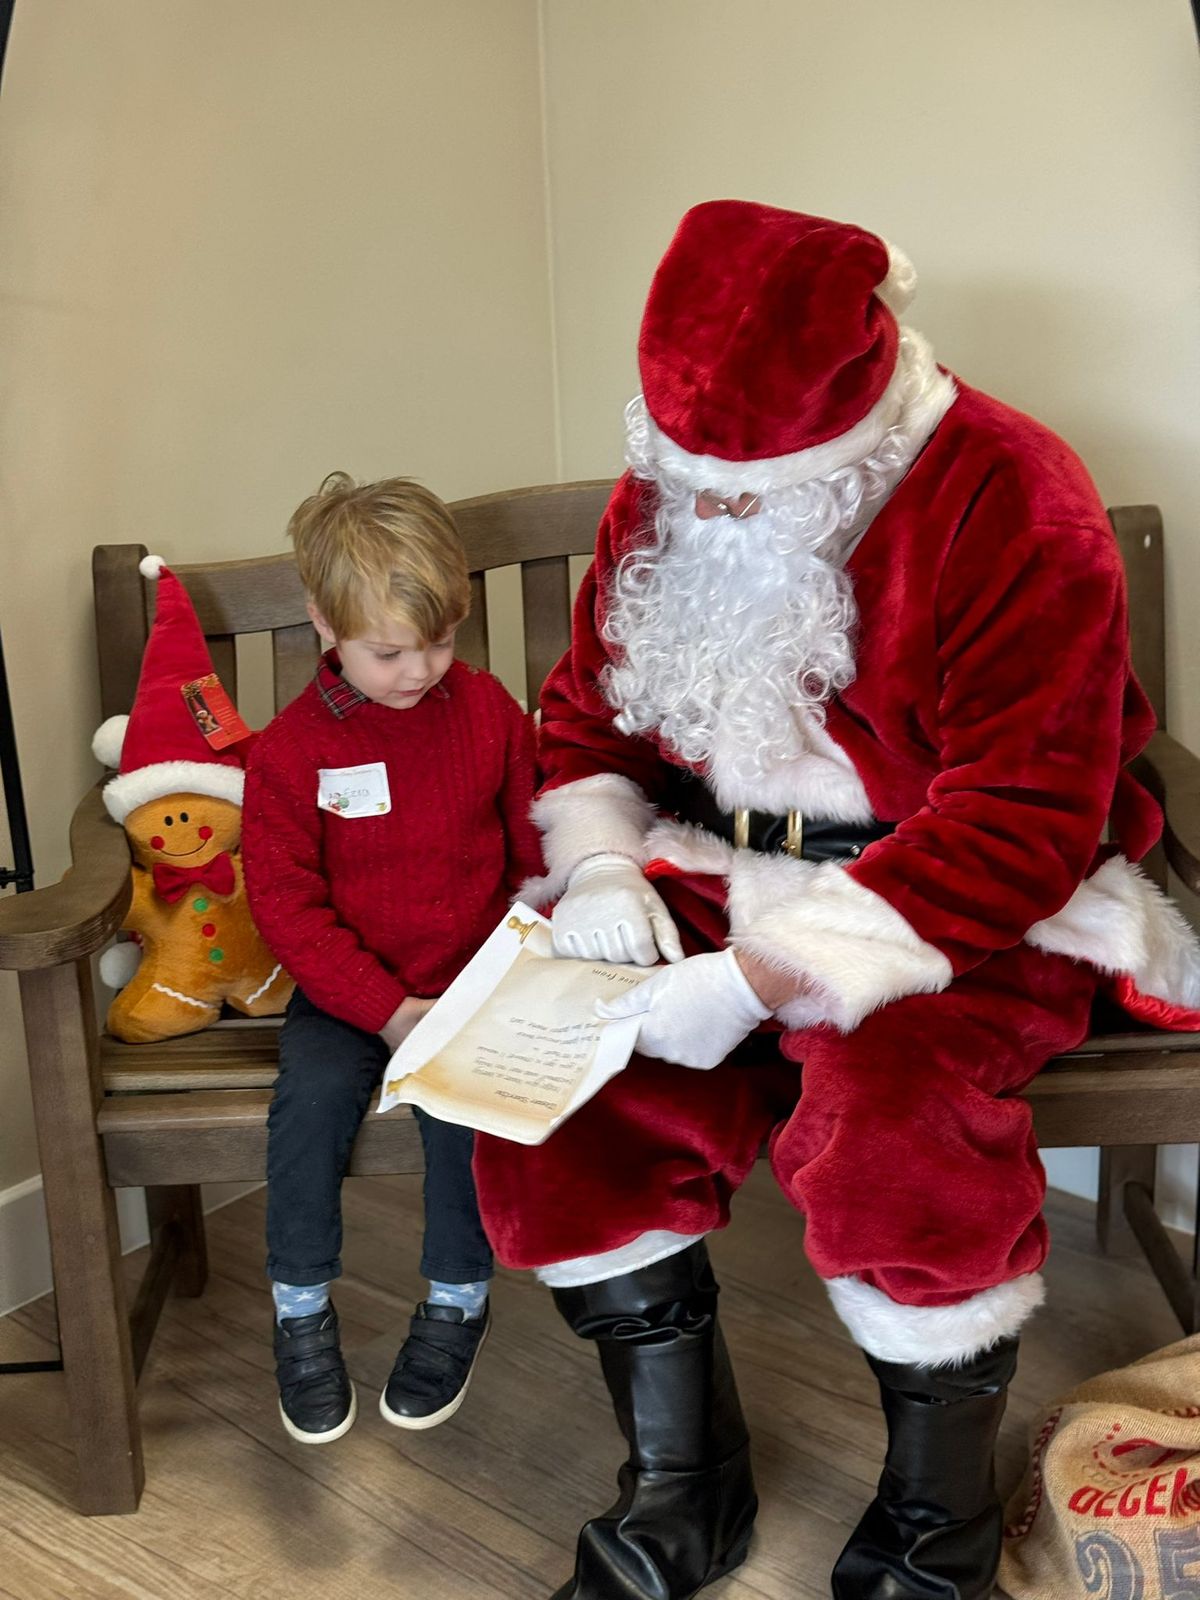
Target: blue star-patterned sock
471 1297
299 1300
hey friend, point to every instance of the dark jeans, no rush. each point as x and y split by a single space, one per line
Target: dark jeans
327 1073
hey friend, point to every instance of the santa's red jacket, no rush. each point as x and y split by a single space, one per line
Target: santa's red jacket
992 718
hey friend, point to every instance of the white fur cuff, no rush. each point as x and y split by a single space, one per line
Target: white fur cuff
933 1336
602 815
641 1252
1119 921
817 922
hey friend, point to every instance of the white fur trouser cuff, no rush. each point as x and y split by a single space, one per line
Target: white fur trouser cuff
643 1251
934 1336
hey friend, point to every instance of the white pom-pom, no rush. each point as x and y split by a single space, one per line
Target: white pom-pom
107 741
151 566
119 963
898 288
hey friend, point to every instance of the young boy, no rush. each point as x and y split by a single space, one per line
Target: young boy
385 828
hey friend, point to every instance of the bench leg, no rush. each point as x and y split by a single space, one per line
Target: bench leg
60 1032
1119 1165
179 1205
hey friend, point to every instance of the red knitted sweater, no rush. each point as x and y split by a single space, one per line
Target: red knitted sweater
363 911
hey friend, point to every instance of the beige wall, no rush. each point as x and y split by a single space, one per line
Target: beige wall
243 244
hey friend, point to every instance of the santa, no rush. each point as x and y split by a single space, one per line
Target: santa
841 740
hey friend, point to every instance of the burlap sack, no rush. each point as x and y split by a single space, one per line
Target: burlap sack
1109 1508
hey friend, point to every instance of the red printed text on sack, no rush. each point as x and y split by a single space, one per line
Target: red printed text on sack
1164 1494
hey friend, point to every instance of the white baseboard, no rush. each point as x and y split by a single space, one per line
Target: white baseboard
25 1239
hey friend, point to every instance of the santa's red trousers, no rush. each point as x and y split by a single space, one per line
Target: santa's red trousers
905 1143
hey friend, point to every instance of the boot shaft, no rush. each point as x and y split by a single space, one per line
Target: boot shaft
664 1360
942 1428
934 1526
686 1504
674 1396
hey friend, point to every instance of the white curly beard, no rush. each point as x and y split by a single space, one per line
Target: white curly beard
732 636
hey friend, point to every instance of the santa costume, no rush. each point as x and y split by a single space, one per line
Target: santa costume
867 729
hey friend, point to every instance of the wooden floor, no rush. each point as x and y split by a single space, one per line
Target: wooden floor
487 1506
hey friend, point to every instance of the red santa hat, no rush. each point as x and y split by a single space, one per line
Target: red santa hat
769 347
159 748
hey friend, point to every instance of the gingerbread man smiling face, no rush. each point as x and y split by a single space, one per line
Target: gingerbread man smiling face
190 829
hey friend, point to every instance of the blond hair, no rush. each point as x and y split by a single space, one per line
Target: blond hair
379 552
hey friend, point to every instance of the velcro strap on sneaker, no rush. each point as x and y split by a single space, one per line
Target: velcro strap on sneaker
308 1355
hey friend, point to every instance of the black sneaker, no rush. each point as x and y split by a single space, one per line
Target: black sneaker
316 1398
430 1378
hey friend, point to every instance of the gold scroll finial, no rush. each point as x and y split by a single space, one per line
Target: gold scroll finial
523 928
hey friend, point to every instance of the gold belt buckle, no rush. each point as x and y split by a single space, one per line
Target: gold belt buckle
794 844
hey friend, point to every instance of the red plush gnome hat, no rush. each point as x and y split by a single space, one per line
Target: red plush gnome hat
159 746
769 347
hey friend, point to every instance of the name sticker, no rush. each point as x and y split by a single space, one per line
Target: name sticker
354 791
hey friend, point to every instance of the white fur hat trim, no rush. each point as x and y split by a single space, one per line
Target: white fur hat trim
133 789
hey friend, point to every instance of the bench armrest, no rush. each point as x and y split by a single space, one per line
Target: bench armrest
78 915
1172 773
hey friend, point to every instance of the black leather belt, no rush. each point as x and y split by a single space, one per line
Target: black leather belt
693 801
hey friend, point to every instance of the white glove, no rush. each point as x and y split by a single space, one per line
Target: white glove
695 1013
611 913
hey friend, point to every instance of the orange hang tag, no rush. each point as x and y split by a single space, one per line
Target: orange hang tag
213 712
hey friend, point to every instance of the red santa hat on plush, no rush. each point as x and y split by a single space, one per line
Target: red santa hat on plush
159 748
769 349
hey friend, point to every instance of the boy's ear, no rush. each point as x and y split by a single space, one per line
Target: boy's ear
319 623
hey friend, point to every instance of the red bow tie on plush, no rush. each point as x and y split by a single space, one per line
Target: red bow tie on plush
172 883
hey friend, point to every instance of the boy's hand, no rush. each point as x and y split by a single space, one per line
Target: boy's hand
403 1020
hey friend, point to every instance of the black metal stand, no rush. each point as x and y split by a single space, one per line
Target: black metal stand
14 799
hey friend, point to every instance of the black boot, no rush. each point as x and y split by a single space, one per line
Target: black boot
686 1505
933 1530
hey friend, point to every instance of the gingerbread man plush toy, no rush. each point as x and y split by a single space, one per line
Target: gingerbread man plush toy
178 795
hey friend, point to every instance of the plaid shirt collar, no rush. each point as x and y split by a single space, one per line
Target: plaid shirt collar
340 696
336 693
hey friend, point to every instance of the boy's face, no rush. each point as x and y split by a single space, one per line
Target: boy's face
390 666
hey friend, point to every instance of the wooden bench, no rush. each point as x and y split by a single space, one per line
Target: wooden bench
193 1110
